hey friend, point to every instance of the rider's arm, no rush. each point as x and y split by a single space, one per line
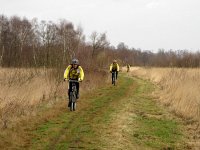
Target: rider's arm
117 67
111 67
66 73
81 73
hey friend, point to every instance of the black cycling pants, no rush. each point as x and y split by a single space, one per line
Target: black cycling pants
113 73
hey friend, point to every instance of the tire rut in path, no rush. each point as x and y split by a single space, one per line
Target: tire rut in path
84 129
117 134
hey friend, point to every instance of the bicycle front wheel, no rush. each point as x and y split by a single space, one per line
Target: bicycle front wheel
73 101
73 106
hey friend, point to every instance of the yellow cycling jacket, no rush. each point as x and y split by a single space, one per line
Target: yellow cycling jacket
72 73
114 67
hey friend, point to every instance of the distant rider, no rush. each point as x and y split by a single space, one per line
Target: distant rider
128 67
114 68
74 72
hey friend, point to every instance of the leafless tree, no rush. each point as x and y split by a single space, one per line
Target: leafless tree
99 41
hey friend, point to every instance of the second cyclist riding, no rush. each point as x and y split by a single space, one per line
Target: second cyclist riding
114 69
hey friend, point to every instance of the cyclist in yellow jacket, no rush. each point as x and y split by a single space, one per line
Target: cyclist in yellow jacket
74 72
114 67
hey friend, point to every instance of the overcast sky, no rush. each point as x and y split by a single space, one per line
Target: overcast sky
145 24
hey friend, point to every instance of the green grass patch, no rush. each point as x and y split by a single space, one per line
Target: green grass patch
154 128
43 133
157 133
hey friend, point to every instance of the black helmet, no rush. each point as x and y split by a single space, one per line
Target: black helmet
75 61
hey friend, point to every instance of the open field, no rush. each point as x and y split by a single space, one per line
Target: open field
124 116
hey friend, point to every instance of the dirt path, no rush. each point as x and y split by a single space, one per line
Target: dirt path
120 117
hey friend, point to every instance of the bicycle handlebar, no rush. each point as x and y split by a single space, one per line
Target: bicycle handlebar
73 81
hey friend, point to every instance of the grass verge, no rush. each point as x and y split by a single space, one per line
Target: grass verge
114 117
155 127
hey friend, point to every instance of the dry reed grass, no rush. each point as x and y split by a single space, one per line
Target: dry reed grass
180 88
22 91
180 91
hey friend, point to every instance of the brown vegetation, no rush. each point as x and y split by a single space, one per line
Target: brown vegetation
179 88
23 91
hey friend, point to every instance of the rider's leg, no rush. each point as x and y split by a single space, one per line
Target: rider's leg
77 87
112 77
116 74
69 90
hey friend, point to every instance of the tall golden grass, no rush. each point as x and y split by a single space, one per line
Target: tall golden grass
23 91
179 88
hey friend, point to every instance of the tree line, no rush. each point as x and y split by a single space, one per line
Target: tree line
33 43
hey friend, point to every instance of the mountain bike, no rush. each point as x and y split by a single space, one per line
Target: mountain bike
73 95
114 78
